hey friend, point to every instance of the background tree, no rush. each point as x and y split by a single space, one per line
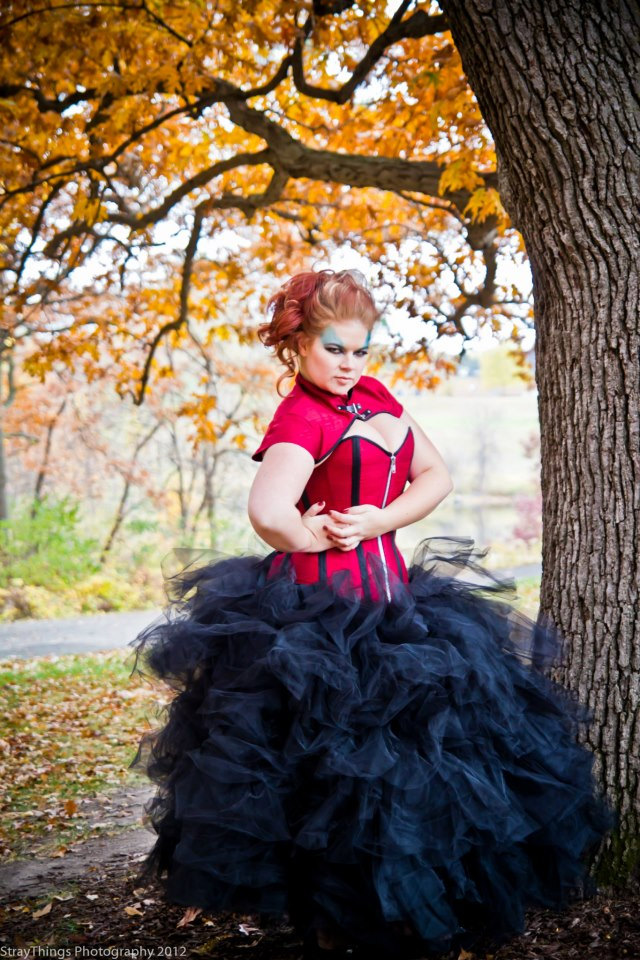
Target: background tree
166 467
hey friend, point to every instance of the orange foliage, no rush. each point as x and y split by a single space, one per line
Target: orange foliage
165 165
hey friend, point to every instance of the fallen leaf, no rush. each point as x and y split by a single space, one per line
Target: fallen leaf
133 912
41 913
189 916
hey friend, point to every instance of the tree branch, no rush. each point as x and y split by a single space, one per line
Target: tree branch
139 222
418 25
385 173
182 317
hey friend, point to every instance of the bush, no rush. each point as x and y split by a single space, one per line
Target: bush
41 545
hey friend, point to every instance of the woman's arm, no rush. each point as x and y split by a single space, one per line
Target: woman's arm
276 489
430 482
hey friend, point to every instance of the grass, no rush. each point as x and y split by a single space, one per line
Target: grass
70 728
109 590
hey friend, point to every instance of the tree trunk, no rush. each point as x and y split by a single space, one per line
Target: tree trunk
121 511
44 466
557 83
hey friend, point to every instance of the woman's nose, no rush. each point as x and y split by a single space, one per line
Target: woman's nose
347 362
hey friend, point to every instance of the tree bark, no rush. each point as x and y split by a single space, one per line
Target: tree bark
559 86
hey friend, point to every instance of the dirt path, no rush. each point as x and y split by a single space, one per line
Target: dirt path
82 634
33 878
124 842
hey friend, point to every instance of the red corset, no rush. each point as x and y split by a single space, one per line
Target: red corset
350 470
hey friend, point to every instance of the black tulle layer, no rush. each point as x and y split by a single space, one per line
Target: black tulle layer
366 764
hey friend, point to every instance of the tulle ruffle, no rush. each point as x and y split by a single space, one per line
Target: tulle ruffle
366 764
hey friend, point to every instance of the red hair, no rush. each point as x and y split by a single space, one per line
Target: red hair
307 303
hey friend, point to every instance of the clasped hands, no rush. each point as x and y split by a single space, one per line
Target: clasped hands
342 529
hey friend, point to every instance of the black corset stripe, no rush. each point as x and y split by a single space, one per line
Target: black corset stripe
322 557
355 499
396 554
322 566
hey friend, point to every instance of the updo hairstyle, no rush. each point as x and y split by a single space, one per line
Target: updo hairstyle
309 302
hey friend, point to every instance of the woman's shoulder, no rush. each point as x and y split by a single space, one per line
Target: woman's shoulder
293 422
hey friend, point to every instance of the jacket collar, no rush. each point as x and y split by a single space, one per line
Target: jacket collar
345 404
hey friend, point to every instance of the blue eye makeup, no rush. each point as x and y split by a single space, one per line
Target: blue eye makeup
334 348
333 344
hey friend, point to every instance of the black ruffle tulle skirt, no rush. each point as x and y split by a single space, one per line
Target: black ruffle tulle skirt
367 765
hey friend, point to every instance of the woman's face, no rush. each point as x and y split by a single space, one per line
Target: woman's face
335 359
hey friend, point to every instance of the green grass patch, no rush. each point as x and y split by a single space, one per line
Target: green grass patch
70 728
103 592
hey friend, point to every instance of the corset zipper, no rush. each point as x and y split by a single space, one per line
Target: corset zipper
392 469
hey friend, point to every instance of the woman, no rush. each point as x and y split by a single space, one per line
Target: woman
371 751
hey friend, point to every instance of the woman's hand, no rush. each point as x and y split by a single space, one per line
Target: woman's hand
314 522
350 527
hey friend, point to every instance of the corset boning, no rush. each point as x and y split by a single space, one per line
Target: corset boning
358 471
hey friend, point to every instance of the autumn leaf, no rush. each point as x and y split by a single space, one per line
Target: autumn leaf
459 175
189 916
41 913
485 202
133 912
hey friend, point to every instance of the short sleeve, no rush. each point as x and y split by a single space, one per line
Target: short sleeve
292 428
387 398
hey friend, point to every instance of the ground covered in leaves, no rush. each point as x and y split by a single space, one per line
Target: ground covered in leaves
69 728
107 914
